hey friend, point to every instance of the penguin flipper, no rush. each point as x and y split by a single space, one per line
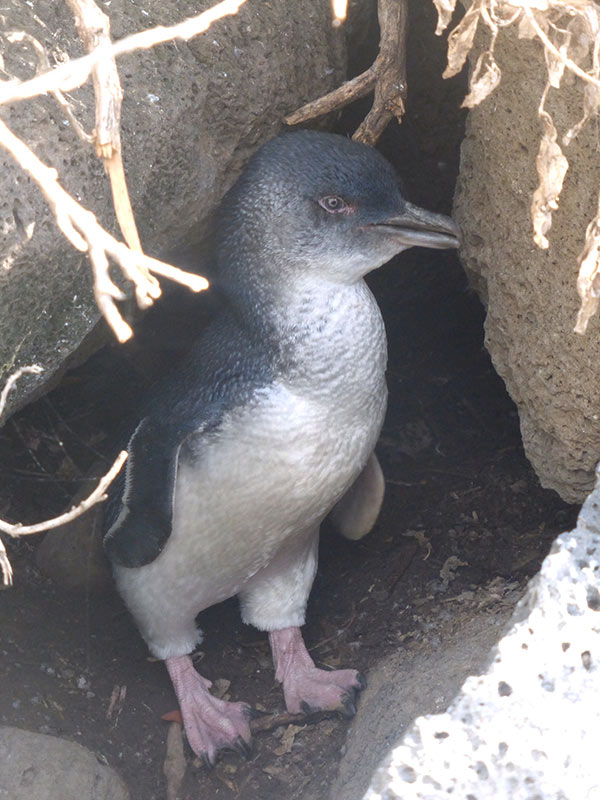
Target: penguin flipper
356 512
143 525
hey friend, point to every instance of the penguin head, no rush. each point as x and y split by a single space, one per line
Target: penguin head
314 207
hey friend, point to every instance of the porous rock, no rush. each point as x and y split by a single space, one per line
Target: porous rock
407 684
530 294
192 114
34 766
528 727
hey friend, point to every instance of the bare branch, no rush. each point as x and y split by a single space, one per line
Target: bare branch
5 566
34 369
391 85
333 101
44 66
85 233
93 26
386 78
17 529
75 72
98 495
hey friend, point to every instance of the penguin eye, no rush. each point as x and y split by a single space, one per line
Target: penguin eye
333 203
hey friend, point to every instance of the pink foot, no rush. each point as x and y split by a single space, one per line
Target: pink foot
210 724
307 688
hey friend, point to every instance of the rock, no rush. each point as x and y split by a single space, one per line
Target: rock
192 115
530 294
72 556
416 681
528 727
40 767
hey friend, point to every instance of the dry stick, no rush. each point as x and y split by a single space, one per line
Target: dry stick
5 565
85 233
75 72
391 85
44 66
34 369
18 529
93 26
386 77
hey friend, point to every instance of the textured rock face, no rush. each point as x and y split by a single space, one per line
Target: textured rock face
531 298
527 728
192 115
40 767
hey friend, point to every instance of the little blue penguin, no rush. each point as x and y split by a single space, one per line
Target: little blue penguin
269 425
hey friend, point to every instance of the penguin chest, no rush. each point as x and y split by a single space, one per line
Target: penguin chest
272 471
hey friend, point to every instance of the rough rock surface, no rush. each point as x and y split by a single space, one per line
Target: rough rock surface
531 297
39 767
407 685
528 727
192 114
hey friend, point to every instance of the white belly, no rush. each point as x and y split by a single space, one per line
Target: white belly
272 471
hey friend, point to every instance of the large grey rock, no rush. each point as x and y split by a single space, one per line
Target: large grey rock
527 728
422 678
192 114
34 766
530 294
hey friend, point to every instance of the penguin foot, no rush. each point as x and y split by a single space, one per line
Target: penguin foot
210 724
307 688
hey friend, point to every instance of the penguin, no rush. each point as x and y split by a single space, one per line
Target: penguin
269 425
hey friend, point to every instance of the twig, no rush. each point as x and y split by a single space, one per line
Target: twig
85 233
271 721
75 72
93 26
5 566
44 66
18 529
34 369
386 77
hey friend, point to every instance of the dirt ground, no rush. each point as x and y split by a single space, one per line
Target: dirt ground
464 517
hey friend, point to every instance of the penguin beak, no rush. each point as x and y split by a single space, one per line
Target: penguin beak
416 227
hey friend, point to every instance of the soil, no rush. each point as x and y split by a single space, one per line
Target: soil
458 488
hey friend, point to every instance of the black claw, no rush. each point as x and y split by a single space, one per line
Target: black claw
305 708
349 709
243 747
361 680
209 762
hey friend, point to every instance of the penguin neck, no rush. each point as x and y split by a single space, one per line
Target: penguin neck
290 310
320 331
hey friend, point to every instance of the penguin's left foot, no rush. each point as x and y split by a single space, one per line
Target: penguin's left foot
307 688
210 724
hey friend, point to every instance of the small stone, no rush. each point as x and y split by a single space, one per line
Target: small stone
40 767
